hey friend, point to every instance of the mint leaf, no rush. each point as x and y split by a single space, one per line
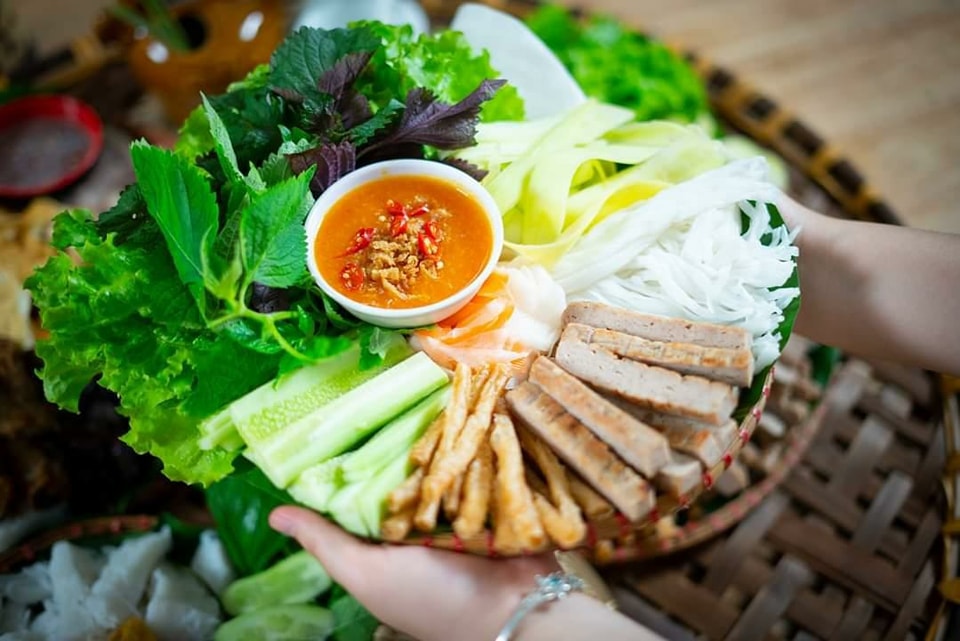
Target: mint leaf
222 145
179 198
272 240
252 118
275 169
306 55
194 137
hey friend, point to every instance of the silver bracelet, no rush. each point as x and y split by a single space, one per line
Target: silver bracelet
553 587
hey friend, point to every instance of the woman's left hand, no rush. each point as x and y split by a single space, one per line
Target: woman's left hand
428 594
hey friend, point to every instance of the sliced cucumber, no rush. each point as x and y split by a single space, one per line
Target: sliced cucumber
299 578
371 501
317 485
395 438
274 405
344 422
345 510
279 623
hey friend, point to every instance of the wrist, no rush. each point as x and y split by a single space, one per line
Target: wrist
549 592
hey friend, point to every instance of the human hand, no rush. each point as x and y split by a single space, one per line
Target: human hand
428 594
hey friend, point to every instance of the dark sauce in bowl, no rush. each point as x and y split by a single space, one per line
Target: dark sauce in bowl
39 152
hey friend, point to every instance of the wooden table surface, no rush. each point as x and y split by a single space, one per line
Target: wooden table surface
878 79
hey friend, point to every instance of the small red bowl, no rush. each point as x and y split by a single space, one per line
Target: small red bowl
69 138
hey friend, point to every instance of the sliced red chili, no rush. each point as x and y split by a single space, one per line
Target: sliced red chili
428 246
432 229
420 210
395 209
352 276
361 241
398 224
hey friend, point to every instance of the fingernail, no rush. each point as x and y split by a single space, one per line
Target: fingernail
281 522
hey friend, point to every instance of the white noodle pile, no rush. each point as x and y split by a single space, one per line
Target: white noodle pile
683 254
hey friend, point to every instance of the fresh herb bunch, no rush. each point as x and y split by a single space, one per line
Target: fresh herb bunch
617 65
193 289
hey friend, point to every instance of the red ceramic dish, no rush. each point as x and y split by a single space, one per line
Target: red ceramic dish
46 144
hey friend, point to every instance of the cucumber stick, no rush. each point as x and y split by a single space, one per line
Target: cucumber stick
342 423
343 508
317 485
359 507
276 404
371 502
279 623
299 578
395 438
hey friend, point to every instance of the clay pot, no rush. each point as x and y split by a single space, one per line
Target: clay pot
229 38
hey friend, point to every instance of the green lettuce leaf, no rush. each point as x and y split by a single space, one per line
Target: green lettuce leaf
124 315
442 62
614 64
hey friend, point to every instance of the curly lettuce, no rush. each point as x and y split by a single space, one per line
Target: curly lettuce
443 63
616 65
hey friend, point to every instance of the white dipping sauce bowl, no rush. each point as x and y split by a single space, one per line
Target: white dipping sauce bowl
413 316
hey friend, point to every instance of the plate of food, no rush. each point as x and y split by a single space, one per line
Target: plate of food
401 286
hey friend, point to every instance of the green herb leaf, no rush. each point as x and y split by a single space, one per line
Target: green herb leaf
73 228
222 145
354 622
614 64
274 246
302 59
219 381
406 61
251 118
276 169
179 199
364 132
240 504
128 219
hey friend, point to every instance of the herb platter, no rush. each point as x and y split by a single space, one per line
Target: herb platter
192 300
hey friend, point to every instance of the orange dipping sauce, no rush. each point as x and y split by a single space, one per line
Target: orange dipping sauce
403 241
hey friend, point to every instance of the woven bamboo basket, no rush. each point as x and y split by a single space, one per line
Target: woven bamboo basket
844 548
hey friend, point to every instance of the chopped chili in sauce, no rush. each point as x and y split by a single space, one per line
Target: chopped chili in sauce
403 242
